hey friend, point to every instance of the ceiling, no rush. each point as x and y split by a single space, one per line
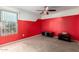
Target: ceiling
35 8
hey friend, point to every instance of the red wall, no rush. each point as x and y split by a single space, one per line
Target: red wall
52 25
26 28
69 24
29 28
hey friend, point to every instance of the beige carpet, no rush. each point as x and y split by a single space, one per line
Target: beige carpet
40 43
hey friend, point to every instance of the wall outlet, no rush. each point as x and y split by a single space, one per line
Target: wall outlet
23 35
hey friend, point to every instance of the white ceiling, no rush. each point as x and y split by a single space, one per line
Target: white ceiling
35 8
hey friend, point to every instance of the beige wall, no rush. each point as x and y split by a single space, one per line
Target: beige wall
22 15
69 12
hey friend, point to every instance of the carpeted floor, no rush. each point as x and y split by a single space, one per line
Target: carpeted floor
40 43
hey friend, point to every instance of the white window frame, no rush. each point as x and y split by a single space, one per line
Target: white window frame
1 17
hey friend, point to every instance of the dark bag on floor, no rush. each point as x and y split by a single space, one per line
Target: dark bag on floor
48 34
64 37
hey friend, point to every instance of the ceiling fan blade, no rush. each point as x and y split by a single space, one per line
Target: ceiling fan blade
52 10
39 10
46 8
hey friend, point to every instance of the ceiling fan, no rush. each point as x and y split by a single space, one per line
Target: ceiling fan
46 10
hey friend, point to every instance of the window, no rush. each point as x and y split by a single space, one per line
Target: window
8 23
